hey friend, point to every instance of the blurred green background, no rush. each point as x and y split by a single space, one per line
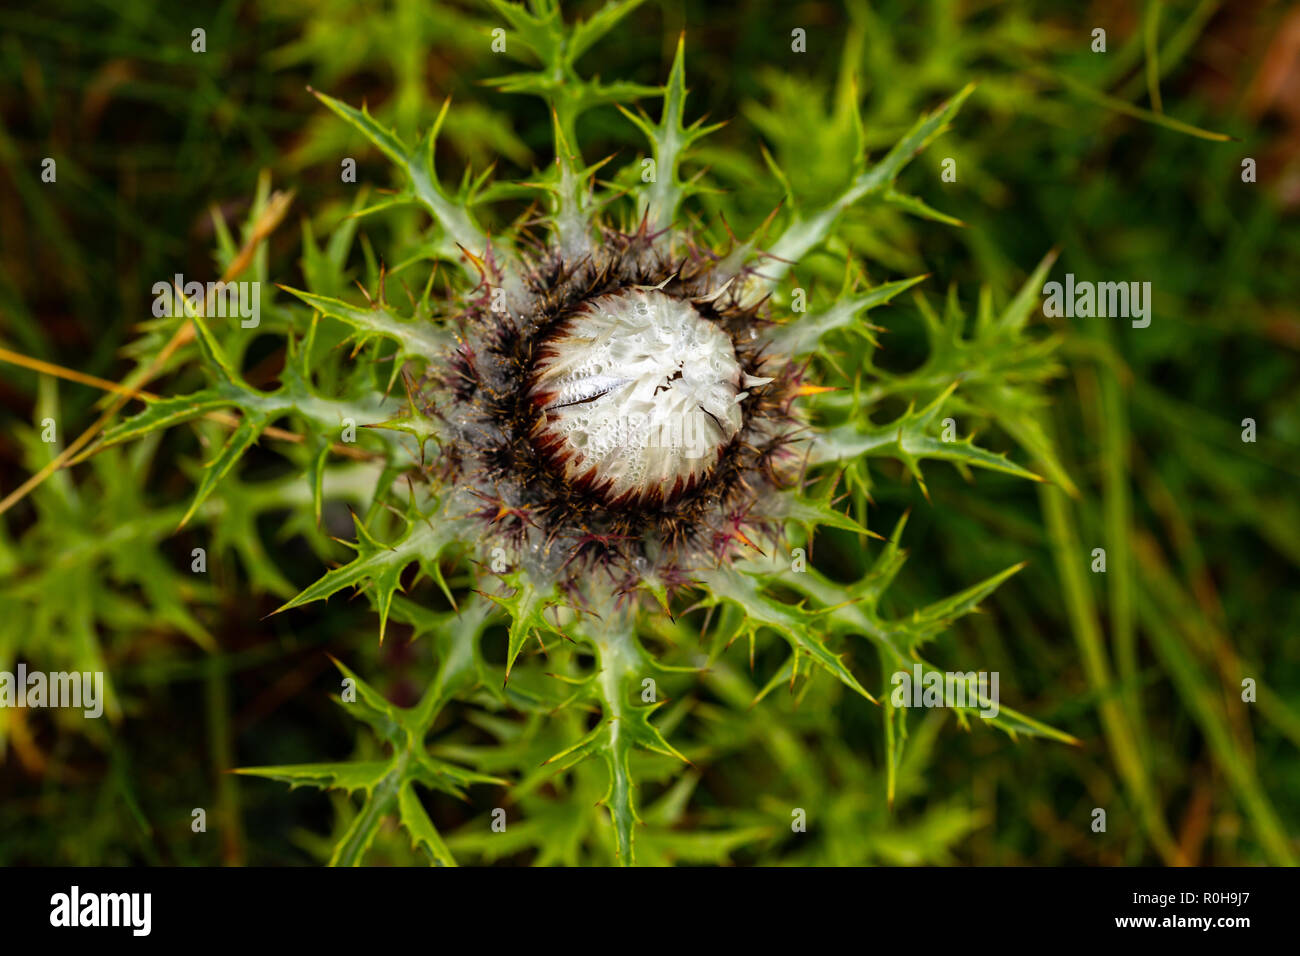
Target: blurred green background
1060 147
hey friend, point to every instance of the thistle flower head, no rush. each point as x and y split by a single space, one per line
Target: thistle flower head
621 407
637 396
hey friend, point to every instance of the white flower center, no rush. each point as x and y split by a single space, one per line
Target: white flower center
639 395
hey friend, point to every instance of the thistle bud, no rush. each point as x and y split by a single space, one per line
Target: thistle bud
637 395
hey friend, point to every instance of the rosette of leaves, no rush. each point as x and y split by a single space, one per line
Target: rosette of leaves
613 428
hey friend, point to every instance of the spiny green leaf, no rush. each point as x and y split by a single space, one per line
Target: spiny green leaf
907 439
241 439
526 606
349 776
379 566
803 630
804 333
669 141
417 338
812 513
417 824
805 232
388 784
452 214
162 413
